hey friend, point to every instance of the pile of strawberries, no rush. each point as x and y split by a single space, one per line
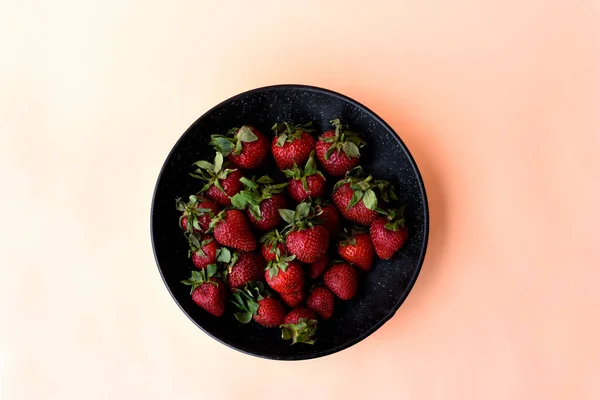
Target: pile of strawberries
249 234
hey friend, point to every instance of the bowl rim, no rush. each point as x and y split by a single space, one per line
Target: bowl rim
421 185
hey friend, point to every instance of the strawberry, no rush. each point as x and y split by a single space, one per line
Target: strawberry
322 301
305 183
357 249
292 144
244 147
262 200
255 302
389 233
330 218
293 299
231 228
342 280
338 150
300 325
317 268
355 196
221 182
304 239
198 211
203 249
273 245
241 268
285 275
207 290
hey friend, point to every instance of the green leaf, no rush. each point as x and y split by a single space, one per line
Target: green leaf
248 183
311 166
211 270
287 215
205 165
356 196
221 144
302 211
243 317
329 152
351 150
264 180
255 210
238 148
239 201
245 134
224 255
253 307
218 162
281 140
286 333
370 199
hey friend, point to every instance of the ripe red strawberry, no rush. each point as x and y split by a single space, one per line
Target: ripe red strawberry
285 275
338 150
305 183
203 249
342 280
306 240
207 290
198 211
255 302
241 267
293 299
292 144
322 301
231 228
355 196
317 268
330 218
357 249
245 147
300 325
221 182
262 201
273 245
389 233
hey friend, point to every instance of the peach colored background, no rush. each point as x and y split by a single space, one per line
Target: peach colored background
499 101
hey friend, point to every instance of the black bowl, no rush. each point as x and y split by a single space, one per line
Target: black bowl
382 290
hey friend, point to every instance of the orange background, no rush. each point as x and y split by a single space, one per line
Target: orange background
499 101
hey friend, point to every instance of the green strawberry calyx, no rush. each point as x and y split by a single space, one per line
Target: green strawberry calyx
227 259
303 217
246 300
272 239
196 243
365 188
199 278
232 142
348 238
310 168
279 264
256 190
287 132
395 219
343 140
191 212
213 174
302 332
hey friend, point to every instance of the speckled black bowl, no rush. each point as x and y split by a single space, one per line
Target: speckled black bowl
382 290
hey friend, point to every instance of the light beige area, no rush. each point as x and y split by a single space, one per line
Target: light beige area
498 100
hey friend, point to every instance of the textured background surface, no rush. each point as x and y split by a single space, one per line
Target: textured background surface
497 99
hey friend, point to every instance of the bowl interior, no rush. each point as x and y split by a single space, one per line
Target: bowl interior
381 291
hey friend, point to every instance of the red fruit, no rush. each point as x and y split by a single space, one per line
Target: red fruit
231 228
294 316
245 147
285 276
322 301
305 183
207 291
272 245
358 250
317 268
270 312
389 234
203 249
308 245
199 211
330 218
293 299
338 150
357 213
221 182
269 213
242 268
292 144
342 280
